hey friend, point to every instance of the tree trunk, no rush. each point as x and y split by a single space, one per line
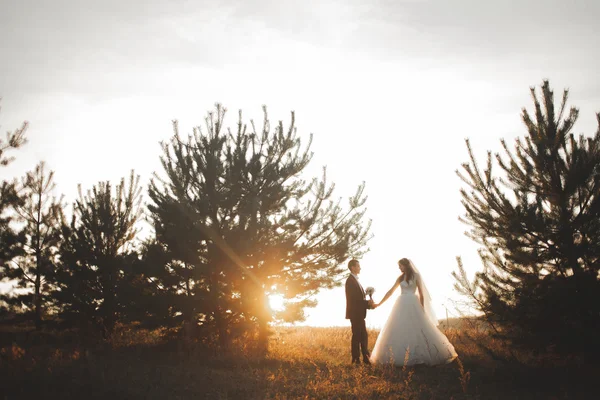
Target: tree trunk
222 331
263 336
263 317
38 304
38 270
38 295
109 312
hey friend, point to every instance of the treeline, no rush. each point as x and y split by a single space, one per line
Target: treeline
234 219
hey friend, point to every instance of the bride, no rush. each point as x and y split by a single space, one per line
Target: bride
410 335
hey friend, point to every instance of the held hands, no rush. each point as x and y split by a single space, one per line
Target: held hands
372 304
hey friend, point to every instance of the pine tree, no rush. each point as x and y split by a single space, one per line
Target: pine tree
97 256
235 222
538 220
42 214
9 199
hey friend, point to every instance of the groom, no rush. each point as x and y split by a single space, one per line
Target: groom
356 311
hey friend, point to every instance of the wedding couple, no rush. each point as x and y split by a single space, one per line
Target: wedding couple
410 335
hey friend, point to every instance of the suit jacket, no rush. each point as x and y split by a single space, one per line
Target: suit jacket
356 302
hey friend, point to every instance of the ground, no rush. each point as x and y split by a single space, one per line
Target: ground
303 363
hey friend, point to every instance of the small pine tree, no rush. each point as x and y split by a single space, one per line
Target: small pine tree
538 222
41 214
96 255
9 199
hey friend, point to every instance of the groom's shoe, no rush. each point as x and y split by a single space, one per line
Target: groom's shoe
367 360
356 361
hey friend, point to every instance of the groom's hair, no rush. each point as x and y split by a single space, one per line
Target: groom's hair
352 263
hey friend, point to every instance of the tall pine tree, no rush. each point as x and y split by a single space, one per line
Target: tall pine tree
235 222
97 258
538 220
41 214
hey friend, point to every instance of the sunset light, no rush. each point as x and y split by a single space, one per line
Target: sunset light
257 199
276 302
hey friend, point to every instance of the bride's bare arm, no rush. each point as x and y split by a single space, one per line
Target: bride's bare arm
389 293
420 288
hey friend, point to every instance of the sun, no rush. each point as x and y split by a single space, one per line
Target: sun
276 302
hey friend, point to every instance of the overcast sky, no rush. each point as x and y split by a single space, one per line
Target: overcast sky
390 89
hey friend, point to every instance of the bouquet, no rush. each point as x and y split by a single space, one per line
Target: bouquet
369 291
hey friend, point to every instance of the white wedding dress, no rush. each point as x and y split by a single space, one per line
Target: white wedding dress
408 332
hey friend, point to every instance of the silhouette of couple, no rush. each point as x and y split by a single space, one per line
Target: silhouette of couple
410 335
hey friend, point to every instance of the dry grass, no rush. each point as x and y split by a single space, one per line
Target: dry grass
304 363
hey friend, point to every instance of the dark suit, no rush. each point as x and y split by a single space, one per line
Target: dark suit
356 311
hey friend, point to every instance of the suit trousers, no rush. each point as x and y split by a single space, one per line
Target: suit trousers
360 340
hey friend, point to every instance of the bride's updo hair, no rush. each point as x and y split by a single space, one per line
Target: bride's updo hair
408 272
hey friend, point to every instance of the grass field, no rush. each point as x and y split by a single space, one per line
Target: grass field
303 363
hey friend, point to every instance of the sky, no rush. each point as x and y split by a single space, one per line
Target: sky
389 89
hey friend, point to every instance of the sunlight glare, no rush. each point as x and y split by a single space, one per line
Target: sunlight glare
276 302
